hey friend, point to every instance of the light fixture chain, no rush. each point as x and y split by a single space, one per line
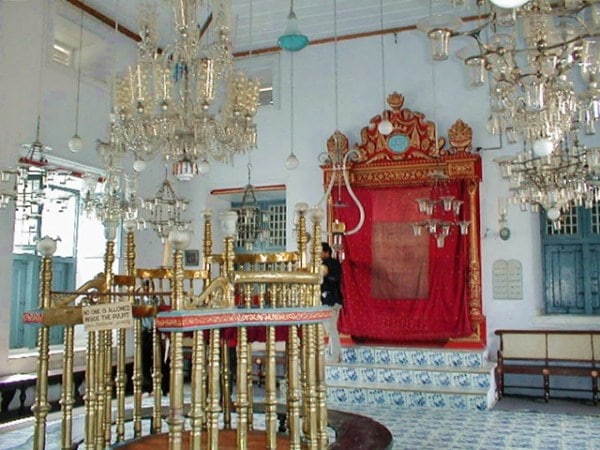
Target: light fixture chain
114 56
79 74
292 103
335 66
382 53
43 49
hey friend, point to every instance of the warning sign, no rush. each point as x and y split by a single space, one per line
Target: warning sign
107 316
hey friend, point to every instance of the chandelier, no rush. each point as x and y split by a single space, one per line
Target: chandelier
542 60
186 100
28 185
567 177
117 201
250 218
165 210
442 213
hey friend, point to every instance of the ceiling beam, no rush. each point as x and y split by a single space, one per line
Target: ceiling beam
105 19
130 34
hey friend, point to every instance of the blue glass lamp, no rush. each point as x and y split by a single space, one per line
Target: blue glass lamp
292 38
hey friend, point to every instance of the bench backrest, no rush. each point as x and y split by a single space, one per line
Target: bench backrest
522 345
576 345
570 346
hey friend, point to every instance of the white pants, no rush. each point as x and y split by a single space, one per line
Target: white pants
334 348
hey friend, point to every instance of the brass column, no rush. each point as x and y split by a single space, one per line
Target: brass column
179 239
121 380
320 388
296 359
41 407
104 368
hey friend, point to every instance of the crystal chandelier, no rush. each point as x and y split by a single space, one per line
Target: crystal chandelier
117 201
542 60
565 178
186 100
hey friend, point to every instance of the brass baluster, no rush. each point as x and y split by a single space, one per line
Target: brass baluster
293 388
311 388
213 401
226 384
137 378
198 397
250 386
90 390
243 403
66 399
99 376
157 357
120 382
323 435
271 390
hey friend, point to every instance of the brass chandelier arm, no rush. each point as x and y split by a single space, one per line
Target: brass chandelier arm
361 210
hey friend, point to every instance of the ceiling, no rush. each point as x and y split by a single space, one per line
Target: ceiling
259 23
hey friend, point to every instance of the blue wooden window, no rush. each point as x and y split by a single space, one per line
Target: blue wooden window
57 216
272 221
25 296
571 262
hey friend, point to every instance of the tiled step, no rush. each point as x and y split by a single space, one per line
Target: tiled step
406 396
401 356
411 377
443 377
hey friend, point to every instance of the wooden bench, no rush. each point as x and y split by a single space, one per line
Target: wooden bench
548 353
10 384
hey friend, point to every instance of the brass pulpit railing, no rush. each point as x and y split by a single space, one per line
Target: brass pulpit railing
251 294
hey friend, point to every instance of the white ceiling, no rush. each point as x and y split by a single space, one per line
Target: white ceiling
315 17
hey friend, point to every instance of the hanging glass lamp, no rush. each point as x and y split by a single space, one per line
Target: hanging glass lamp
292 38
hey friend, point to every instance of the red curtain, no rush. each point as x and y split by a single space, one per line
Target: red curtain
399 287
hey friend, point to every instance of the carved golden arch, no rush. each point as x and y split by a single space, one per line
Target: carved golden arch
412 154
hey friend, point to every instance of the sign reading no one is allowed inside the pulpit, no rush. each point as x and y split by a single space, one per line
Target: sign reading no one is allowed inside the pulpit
107 316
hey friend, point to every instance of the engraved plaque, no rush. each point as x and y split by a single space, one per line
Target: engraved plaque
507 279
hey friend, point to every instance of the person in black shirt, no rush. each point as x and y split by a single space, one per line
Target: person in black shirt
331 295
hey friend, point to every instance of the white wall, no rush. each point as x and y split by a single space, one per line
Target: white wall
436 89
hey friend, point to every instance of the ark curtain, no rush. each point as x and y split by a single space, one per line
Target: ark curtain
399 287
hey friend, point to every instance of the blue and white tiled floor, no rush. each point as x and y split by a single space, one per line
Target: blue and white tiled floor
424 429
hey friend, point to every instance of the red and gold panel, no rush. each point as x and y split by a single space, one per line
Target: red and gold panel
399 287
